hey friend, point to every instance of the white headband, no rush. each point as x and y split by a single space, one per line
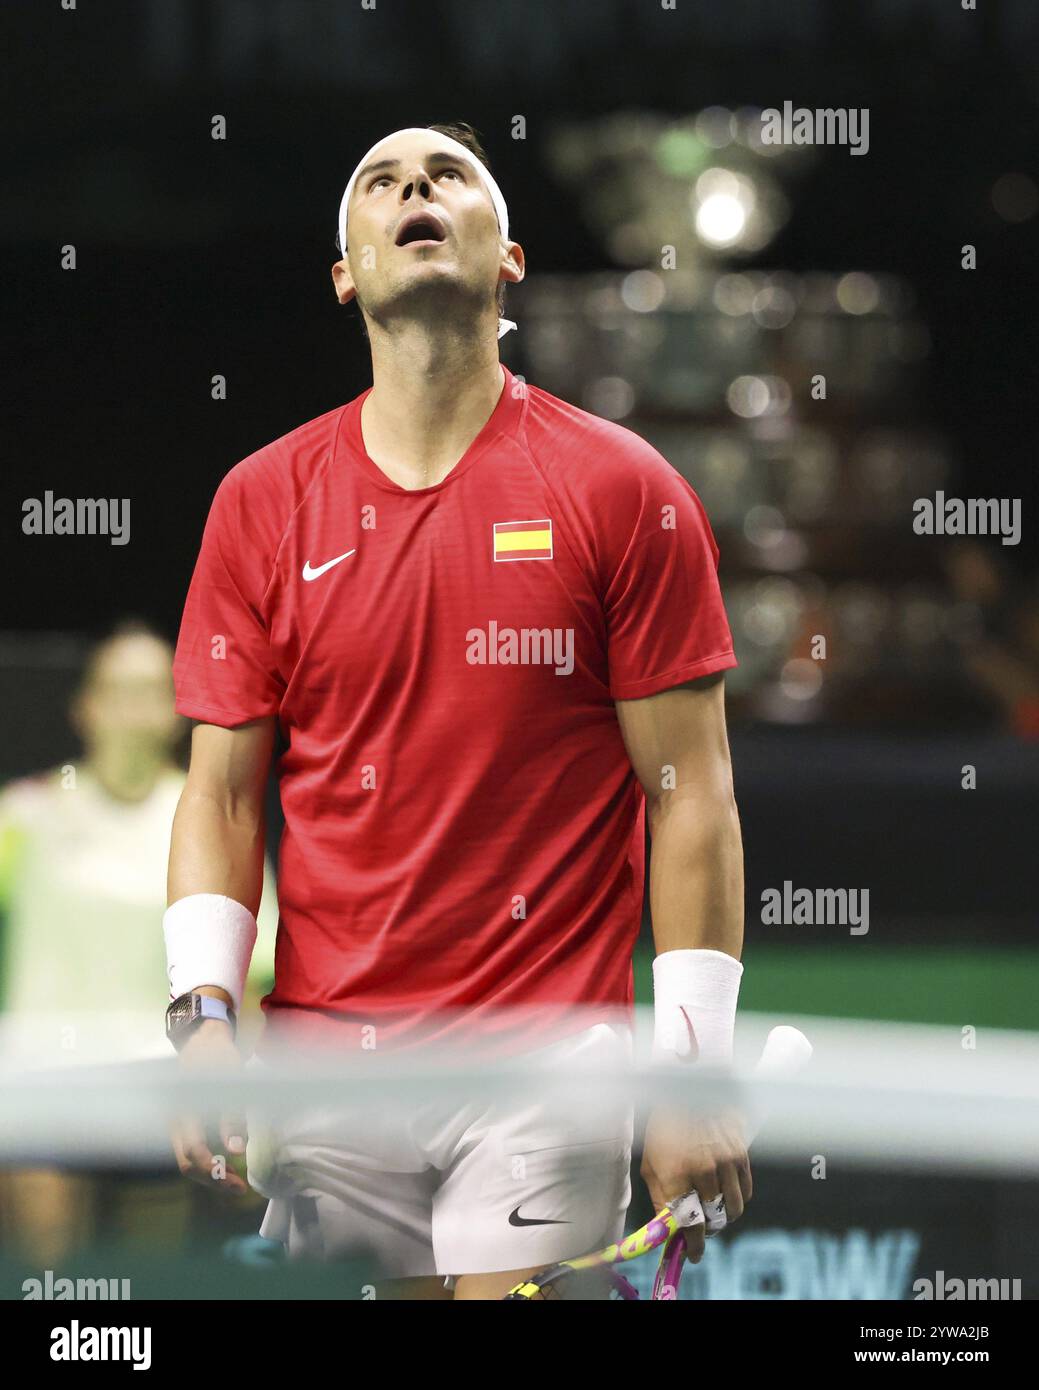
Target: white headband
467 156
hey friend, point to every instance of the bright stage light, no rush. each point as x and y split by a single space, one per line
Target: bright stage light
723 202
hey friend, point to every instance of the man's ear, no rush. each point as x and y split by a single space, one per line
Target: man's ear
513 264
343 281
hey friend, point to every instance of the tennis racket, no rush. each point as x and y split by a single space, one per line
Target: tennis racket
785 1052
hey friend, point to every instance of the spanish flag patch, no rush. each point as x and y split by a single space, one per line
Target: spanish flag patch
523 540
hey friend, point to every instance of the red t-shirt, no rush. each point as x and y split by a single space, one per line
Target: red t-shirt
463 829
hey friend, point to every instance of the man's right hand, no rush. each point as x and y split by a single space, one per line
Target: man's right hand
210 1047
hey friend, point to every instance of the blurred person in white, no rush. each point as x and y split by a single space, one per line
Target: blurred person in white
83 850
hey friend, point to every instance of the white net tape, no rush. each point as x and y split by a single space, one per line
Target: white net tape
882 1094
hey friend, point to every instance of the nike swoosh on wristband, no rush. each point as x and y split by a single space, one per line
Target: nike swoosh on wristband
309 573
516 1220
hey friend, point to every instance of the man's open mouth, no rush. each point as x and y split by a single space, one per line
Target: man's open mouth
419 226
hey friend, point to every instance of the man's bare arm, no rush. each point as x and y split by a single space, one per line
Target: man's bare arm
217 847
217 844
679 750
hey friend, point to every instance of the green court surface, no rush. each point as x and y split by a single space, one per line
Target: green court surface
986 987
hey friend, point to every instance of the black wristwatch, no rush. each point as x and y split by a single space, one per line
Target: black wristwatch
189 1010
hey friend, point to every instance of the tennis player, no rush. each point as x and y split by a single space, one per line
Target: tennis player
489 626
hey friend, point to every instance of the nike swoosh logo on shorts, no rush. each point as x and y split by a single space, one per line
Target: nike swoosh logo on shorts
309 573
516 1220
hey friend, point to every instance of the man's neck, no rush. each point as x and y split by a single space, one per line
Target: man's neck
430 398
125 778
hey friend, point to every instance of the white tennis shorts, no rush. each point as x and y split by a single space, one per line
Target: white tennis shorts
454 1190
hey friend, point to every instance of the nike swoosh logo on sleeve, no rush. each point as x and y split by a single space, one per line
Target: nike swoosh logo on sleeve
309 573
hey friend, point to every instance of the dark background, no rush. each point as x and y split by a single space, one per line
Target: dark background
198 257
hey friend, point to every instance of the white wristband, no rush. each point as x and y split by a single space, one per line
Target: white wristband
694 1005
209 941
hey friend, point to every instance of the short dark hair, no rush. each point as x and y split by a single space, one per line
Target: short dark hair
464 133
